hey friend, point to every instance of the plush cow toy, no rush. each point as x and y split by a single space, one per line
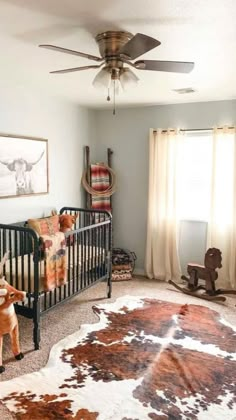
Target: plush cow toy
8 319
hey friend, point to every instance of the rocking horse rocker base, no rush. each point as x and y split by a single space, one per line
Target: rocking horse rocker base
194 292
208 273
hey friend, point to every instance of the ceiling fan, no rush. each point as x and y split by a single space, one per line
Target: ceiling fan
117 49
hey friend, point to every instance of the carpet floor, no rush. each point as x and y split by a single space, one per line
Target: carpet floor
67 318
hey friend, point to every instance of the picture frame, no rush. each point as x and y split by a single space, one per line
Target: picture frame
23 166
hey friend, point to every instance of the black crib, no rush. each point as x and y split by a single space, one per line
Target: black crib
89 249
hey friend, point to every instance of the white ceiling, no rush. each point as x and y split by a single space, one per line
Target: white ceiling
203 31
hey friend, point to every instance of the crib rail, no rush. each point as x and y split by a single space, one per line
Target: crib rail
87 217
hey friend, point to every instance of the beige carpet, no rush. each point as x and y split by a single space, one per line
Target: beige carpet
67 318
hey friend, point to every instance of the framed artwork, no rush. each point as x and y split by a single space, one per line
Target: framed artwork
23 166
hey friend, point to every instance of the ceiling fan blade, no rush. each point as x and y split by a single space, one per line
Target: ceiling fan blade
75 69
72 52
169 66
138 45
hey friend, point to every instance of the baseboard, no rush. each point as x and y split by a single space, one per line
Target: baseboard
139 272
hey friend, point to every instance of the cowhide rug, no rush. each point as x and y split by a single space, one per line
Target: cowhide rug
144 359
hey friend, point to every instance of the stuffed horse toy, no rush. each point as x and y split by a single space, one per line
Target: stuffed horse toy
8 319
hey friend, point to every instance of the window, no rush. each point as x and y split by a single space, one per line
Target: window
205 177
194 177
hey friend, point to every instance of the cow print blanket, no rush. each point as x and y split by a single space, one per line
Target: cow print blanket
144 359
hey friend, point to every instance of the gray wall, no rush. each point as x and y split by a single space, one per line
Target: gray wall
67 127
127 134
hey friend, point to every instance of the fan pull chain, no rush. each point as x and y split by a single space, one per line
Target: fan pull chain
108 95
114 98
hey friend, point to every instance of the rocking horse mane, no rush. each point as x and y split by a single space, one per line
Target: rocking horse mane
213 258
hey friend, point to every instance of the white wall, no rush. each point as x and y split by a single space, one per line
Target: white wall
127 134
68 129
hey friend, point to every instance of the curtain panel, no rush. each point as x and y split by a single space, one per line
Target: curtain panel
222 217
162 261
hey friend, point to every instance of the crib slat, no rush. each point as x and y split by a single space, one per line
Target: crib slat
16 234
92 259
95 252
45 301
28 288
80 261
60 289
85 259
10 253
22 260
77 261
72 239
4 249
69 272
55 296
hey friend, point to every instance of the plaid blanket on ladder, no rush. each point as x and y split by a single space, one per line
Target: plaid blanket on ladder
100 182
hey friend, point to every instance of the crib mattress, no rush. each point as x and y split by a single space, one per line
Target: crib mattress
78 259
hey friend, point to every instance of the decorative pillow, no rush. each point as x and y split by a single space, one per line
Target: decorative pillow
46 226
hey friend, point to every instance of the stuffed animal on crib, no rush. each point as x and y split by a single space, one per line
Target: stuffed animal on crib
66 222
8 319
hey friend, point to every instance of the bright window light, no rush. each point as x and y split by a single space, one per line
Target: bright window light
197 176
194 177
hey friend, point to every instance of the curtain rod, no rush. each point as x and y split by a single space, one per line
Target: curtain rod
194 129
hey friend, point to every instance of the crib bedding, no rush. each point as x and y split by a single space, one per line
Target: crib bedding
78 259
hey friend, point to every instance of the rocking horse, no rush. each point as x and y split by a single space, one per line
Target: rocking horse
8 319
208 273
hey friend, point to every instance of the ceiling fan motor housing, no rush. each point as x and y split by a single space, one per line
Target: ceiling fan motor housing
111 42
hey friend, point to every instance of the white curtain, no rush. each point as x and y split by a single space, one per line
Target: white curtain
222 218
162 261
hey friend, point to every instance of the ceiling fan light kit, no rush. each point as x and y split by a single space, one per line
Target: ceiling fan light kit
102 79
117 49
128 79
